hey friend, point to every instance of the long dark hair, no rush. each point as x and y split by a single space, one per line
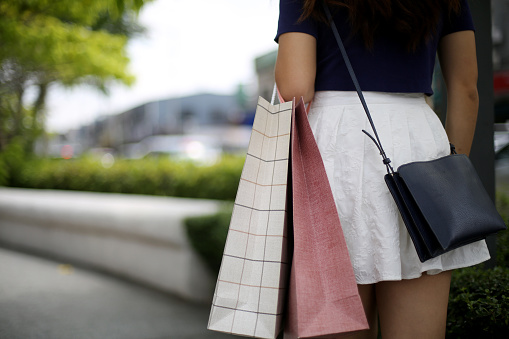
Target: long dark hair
415 20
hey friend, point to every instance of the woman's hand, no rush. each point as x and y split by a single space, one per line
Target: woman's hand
458 61
296 66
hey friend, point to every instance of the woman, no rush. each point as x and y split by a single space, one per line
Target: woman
392 45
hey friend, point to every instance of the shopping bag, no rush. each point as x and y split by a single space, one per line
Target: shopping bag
323 298
253 279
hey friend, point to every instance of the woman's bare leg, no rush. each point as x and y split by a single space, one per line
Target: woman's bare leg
415 308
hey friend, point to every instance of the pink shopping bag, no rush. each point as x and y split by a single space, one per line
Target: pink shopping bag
323 298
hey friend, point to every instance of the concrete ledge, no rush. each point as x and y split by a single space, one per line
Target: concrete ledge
141 238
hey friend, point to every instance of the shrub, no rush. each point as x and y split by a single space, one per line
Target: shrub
11 160
208 236
503 249
146 176
479 304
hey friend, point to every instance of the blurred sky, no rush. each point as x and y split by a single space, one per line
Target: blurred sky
191 46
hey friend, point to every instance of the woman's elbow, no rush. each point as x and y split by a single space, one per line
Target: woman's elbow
466 91
290 92
473 95
295 81
295 88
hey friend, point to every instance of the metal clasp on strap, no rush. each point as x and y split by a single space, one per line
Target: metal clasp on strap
385 159
453 149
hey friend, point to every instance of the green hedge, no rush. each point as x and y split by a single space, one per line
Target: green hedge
479 304
208 236
11 160
147 176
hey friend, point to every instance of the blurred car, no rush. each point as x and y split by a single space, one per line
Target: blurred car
198 148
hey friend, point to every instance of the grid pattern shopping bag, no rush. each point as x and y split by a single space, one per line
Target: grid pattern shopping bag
252 282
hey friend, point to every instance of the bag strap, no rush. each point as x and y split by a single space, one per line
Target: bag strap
274 93
377 142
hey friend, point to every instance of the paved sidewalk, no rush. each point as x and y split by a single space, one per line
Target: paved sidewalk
44 299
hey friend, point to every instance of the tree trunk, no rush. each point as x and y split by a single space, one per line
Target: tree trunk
18 111
39 104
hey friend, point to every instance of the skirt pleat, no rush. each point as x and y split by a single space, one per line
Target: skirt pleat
378 242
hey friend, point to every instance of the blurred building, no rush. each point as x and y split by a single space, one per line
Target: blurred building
214 119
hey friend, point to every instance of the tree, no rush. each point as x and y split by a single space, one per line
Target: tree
69 42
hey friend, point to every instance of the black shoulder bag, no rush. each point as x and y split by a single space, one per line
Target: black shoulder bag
442 202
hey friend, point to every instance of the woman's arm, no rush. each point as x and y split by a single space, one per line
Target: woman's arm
296 66
458 61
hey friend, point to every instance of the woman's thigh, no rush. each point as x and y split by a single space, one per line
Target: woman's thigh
415 308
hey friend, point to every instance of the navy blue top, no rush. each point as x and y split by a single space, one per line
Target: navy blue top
388 67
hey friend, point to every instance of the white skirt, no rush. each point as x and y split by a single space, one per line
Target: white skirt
378 242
